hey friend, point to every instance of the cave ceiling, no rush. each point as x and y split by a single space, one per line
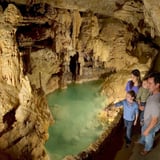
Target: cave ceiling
105 7
104 33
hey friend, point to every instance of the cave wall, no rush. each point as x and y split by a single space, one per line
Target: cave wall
51 34
24 113
44 45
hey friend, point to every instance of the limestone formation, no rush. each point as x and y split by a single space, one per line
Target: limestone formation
151 12
25 116
45 45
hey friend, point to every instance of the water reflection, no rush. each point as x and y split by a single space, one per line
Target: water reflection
76 126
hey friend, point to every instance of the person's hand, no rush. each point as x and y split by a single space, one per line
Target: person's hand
109 107
135 122
141 108
145 133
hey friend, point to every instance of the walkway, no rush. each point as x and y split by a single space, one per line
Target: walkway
133 152
114 147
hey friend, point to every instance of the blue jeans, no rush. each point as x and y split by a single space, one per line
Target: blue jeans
142 113
128 125
148 140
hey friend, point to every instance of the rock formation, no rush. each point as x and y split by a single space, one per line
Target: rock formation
44 45
25 116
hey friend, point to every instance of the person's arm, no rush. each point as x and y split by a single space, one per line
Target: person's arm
151 125
137 113
120 103
110 106
136 118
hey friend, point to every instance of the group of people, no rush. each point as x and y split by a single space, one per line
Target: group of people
143 101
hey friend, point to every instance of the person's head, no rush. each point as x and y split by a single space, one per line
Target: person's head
131 96
145 83
154 82
135 75
135 78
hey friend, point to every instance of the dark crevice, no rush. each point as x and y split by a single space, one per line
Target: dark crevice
14 142
8 120
74 66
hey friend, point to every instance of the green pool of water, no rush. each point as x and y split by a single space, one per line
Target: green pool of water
75 112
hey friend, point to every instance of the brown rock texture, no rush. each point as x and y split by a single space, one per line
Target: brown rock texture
44 45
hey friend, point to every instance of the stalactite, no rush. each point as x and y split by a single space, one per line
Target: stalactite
152 32
76 24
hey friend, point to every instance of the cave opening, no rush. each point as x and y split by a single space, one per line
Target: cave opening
74 66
